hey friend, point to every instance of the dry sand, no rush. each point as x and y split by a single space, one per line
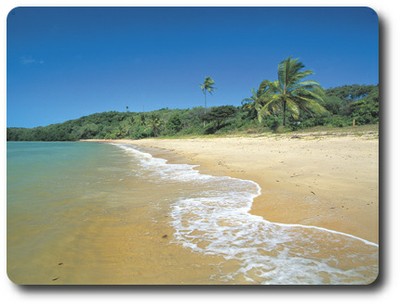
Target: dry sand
321 180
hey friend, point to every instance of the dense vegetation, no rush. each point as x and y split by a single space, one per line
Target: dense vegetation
342 104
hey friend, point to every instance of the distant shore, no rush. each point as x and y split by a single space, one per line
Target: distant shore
330 181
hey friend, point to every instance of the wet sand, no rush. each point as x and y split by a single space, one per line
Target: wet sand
328 181
98 226
110 244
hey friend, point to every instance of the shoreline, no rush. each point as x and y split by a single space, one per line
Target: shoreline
304 181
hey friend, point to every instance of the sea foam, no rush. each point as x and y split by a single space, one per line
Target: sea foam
213 218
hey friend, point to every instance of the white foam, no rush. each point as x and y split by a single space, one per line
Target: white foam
215 219
331 231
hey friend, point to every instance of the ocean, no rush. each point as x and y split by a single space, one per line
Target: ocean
97 213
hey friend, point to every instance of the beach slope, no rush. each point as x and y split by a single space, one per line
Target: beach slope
329 181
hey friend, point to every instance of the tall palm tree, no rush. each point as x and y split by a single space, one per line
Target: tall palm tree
207 86
290 92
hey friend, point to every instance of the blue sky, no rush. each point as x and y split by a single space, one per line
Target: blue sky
64 63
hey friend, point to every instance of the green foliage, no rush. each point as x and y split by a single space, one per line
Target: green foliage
343 104
350 92
174 124
273 123
290 93
359 102
338 121
154 123
255 104
207 86
218 117
333 104
366 110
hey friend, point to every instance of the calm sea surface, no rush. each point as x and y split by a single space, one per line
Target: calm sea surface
99 213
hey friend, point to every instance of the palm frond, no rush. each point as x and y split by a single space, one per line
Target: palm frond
293 108
316 94
290 92
310 85
311 105
207 85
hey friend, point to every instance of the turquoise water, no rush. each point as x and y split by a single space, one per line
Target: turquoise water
44 176
39 173
75 201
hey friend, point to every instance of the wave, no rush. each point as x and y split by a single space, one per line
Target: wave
213 218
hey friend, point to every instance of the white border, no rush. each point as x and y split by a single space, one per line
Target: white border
385 292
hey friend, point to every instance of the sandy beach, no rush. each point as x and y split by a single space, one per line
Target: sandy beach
329 181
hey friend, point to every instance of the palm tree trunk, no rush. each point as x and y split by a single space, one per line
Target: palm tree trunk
284 113
205 108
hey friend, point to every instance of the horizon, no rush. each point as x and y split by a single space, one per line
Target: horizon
66 63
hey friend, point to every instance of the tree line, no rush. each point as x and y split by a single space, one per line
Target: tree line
291 102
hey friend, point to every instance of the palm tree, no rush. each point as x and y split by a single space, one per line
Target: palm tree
207 86
258 100
290 92
154 123
142 119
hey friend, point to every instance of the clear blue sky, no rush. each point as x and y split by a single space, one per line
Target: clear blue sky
64 63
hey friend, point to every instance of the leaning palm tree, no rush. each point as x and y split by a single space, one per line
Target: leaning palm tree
291 93
258 100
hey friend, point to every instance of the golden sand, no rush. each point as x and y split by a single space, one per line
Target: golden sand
325 181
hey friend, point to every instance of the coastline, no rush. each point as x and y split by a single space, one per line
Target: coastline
326 181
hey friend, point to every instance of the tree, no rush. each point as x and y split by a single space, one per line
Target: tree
174 124
290 92
345 96
366 110
256 102
219 115
154 123
207 86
